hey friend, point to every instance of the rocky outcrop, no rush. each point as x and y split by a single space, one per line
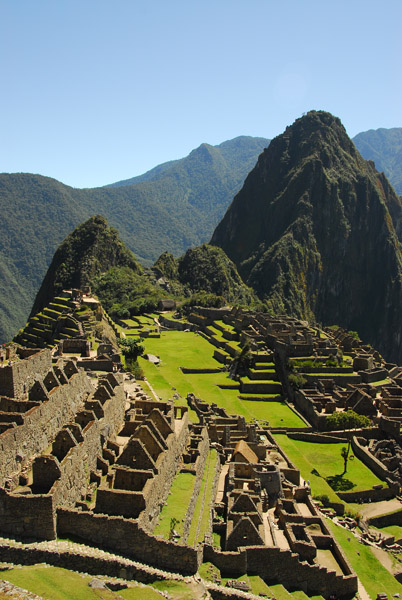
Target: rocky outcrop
316 232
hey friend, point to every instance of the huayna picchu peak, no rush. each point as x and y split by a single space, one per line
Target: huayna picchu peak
315 230
91 249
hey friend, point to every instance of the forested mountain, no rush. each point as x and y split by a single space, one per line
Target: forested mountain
316 231
173 207
384 147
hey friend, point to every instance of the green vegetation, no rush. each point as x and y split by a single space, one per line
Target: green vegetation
395 530
368 568
199 187
323 463
54 583
346 419
125 293
207 269
202 512
209 572
176 349
176 505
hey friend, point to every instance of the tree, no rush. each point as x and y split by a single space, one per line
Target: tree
131 348
242 362
345 456
347 419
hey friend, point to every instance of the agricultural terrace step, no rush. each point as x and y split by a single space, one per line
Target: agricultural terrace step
260 387
70 331
64 302
229 386
50 313
57 307
262 366
262 357
266 375
260 397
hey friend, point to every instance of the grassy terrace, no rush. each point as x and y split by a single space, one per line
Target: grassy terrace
202 511
374 577
176 505
209 572
178 348
53 583
325 459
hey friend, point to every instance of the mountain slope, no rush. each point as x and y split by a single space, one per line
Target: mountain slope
170 208
314 231
384 147
90 250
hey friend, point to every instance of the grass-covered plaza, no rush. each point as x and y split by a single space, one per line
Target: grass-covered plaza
187 349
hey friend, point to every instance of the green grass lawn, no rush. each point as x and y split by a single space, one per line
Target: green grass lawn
54 583
327 461
395 530
202 511
186 349
374 577
176 505
209 572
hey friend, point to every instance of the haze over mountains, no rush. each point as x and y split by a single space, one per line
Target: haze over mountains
172 207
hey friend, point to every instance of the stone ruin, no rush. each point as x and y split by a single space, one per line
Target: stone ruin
84 458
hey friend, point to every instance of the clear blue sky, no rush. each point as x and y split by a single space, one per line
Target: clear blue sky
95 91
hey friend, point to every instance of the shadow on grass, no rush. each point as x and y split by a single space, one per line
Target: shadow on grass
339 483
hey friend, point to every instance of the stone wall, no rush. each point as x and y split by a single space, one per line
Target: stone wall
167 468
41 424
127 538
27 516
96 365
316 437
17 378
203 448
372 495
176 325
394 518
282 566
371 461
77 465
112 567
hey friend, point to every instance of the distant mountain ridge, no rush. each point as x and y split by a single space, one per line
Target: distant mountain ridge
316 232
384 147
171 208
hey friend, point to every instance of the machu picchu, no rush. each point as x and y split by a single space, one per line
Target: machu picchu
172 423
105 467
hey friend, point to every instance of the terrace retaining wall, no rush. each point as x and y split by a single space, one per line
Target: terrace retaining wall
126 537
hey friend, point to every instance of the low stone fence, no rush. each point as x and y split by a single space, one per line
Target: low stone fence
315 437
203 448
193 371
393 518
126 537
371 461
283 566
74 561
176 325
373 495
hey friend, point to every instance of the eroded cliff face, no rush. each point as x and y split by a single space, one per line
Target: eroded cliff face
315 229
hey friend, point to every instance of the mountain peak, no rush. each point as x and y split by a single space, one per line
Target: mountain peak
314 232
91 249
